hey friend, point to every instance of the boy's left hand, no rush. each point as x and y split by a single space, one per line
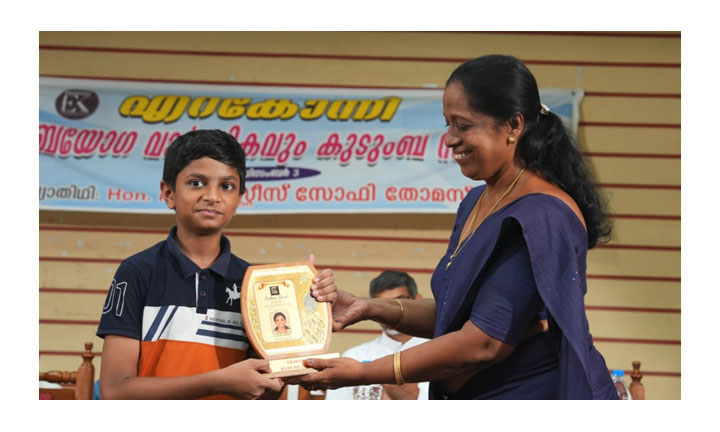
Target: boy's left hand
323 288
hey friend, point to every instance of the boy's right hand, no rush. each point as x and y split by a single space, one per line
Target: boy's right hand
246 379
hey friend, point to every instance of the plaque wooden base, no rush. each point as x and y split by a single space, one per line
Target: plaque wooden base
294 366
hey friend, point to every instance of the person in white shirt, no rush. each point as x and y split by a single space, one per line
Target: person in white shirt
389 284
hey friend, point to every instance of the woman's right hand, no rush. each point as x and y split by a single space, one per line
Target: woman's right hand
246 379
348 310
331 374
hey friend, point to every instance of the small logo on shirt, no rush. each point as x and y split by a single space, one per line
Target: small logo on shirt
233 294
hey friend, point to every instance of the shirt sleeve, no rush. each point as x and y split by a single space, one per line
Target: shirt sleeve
123 307
508 300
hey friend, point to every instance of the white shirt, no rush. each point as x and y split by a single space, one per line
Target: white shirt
375 349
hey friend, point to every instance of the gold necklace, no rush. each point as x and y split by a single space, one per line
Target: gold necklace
462 243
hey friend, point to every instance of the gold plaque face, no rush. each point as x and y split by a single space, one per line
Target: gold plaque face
284 323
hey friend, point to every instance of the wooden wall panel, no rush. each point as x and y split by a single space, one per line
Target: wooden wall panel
636 201
339 72
609 79
634 325
650 171
71 306
333 72
633 293
93 244
629 48
629 129
659 263
64 337
648 232
621 140
76 275
664 111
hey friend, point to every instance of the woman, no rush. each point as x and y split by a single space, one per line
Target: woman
508 318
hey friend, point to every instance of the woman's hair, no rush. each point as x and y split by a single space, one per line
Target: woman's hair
503 87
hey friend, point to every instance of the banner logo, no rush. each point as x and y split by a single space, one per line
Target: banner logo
77 104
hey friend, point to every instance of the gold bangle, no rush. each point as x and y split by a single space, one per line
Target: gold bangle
398 372
402 315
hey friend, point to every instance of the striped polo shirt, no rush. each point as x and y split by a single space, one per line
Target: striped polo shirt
188 319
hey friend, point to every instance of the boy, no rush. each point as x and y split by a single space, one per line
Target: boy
171 322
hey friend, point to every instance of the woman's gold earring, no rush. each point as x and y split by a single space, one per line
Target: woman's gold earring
511 140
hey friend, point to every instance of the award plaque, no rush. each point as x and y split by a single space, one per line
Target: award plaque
283 321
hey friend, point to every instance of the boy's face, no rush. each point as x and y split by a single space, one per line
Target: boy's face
205 196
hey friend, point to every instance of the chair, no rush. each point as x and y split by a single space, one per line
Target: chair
83 380
637 389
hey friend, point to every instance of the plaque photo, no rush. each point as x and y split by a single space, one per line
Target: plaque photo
284 323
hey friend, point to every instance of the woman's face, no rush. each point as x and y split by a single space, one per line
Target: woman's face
478 146
280 322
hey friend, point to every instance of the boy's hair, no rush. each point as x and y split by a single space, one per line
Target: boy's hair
198 144
390 279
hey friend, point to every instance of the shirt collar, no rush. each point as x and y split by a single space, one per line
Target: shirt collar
188 267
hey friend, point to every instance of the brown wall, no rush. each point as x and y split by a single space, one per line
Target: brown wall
629 129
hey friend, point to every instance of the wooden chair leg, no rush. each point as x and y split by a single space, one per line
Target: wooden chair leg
637 389
83 379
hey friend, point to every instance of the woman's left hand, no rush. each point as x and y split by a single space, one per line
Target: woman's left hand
323 288
331 374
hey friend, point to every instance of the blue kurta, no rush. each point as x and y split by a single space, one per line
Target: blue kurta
526 261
